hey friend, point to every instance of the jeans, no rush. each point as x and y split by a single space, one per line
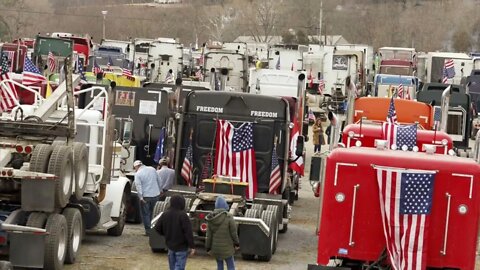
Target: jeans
177 259
317 148
147 209
230 263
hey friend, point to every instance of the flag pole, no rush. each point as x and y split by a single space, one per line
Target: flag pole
435 134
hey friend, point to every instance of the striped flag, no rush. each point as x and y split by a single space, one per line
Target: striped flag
31 74
448 70
392 114
51 62
406 198
321 85
199 74
8 93
187 167
400 91
437 116
96 68
235 155
127 72
275 175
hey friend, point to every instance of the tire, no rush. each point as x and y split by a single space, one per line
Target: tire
159 208
274 209
268 218
75 233
40 157
37 220
252 213
61 164
55 242
248 257
80 161
258 207
118 229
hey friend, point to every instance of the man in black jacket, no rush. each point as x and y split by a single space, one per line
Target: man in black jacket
174 224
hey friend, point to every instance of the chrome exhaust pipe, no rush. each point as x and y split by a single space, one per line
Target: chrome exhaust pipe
301 86
223 79
350 99
445 105
334 131
212 79
476 147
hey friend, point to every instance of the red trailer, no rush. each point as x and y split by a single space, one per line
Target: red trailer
366 134
355 194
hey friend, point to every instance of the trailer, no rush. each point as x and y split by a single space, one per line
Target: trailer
259 214
55 180
433 64
353 228
226 70
165 60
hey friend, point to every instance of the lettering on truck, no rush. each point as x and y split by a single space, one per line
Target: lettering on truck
264 114
209 109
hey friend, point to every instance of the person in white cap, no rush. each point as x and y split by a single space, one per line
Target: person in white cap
167 176
147 183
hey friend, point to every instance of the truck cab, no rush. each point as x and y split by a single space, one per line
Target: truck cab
386 85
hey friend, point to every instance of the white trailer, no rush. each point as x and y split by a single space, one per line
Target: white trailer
286 57
226 70
140 55
434 64
165 59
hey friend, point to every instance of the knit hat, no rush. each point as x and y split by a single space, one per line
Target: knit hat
221 203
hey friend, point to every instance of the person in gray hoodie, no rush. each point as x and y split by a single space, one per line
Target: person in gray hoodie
222 237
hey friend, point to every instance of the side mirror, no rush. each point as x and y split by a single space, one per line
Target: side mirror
127 132
300 146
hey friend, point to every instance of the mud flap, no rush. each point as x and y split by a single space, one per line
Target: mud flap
254 236
156 241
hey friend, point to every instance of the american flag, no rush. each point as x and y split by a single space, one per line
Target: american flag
448 70
400 91
11 58
392 113
235 155
51 62
405 202
168 77
127 72
275 175
187 167
8 93
81 71
96 68
321 85
199 74
310 79
437 115
400 135
31 74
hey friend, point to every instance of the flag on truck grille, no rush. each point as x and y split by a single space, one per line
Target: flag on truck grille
400 91
187 167
8 93
437 116
275 175
235 155
405 202
400 135
127 72
31 73
159 149
448 70
392 113
51 62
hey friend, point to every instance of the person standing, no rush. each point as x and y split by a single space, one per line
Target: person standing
318 138
167 176
222 238
174 224
147 183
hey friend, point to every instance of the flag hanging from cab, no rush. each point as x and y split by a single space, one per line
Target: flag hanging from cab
8 93
406 198
235 155
31 73
275 174
187 166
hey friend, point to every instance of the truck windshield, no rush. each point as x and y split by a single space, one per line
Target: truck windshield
396 70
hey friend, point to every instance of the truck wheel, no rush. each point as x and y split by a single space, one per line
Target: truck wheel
118 229
269 219
75 233
252 213
248 257
159 208
61 164
80 159
39 159
258 207
274 209
37 220
133 209
55 242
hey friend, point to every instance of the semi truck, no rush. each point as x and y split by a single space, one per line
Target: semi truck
260 209
226 70
386 85
397 61
165 59
433 65
56 176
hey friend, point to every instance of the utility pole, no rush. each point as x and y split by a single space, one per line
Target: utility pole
320 24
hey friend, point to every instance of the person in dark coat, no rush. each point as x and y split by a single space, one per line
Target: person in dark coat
222 237
174 224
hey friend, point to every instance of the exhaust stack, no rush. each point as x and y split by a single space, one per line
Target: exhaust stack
350 99
445 105
212 78
223 79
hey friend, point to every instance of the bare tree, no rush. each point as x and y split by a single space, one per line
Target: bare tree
261 17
